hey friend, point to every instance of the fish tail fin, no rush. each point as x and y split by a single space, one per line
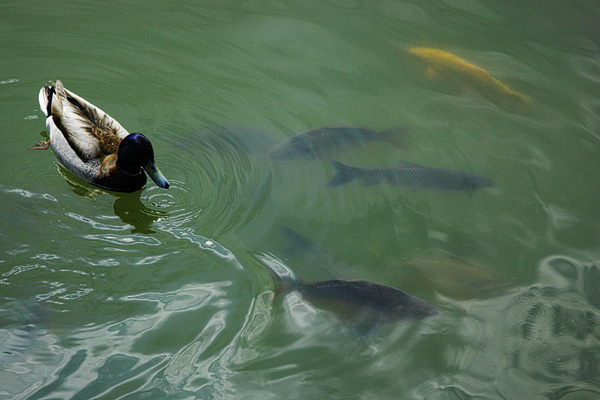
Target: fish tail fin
343 175
283 283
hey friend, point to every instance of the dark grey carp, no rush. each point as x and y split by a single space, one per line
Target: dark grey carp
410 174
318 142
362 303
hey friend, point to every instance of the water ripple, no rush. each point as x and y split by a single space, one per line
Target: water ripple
179 203
22 268
204 243
28 194
97 225
224 184
127 240
150 260
572 392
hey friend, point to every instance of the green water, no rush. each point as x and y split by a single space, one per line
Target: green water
163 294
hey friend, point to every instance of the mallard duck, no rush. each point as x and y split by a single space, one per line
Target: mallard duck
93 145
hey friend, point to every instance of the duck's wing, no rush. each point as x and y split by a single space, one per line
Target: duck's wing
89 131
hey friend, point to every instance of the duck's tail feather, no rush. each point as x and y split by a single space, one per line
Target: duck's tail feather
56 102
45 99
343 175
51 98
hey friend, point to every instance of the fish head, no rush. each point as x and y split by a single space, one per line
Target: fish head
296 148
434 59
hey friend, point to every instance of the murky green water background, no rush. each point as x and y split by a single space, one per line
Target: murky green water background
163 294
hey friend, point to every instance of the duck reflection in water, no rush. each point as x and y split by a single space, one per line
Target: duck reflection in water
131 210
127 206
363 304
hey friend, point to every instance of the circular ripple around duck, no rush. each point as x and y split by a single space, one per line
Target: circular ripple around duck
179 204
224 180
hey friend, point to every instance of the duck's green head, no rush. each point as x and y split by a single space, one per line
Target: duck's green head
135 154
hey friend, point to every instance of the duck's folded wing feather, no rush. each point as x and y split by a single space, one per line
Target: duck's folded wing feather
89 131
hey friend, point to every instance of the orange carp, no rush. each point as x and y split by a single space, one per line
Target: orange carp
462 71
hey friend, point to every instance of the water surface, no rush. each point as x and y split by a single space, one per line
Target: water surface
164 294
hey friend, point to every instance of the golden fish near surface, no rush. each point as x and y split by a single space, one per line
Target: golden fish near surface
460 70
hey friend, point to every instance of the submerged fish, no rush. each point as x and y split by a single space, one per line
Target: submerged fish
452 276
320 141
363 303
410 174
462 71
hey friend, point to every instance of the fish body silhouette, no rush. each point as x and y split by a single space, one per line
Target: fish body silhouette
412 175
362 303
463 72
452 276
317 142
